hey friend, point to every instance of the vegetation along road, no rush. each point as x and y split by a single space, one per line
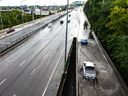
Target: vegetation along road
109 19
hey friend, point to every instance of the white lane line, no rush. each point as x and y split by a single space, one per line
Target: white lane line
14 95
22 63
52 74
8 61
2 81
9 57
33 71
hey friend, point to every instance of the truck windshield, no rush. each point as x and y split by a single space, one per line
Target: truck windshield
89 68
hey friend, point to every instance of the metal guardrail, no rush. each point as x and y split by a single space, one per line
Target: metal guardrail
122 83
27 34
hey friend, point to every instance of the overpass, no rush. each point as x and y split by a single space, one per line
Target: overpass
35 66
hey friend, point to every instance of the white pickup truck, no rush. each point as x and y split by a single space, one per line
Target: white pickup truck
89 71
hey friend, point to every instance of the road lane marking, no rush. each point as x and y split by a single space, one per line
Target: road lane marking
10 57
8 61
33 71
22 63
52 74
2 81
14 95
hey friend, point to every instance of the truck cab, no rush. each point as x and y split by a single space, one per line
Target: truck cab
89 71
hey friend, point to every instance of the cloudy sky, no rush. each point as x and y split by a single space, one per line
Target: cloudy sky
33 2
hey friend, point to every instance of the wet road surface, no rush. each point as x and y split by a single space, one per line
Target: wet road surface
30 69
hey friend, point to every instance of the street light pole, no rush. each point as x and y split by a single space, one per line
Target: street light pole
33 13
22 17
22 10
66 33
1 20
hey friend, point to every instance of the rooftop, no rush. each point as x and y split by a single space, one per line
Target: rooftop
89 63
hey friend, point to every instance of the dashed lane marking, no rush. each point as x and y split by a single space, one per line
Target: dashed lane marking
22 63
2 81
52 74
33 71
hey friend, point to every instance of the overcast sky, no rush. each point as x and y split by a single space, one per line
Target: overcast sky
33 2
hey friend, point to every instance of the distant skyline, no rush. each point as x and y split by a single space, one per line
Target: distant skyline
34 2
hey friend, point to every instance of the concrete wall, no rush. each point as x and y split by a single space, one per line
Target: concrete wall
68 82
122 83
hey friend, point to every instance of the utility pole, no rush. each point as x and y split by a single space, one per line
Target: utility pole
33 13
66 33
22 17
22 10
22 13
1 20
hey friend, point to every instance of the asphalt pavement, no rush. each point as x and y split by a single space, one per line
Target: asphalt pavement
14 37
34 68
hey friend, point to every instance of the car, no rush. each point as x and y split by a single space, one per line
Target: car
84 42
89 71
61 22
69 15
10 30
50 25
68 21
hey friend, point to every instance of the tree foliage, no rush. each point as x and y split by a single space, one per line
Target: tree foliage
109 19
119 18
14 17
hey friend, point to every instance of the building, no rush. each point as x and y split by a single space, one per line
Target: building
53 11
37 11
77 3
44 12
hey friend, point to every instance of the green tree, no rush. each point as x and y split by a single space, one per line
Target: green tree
14 17
119 18
109 19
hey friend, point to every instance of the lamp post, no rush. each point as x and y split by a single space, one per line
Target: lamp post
22 17
33 13
1 20
22 10
66 33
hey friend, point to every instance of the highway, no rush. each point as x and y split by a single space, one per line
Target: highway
35 67
14 37
29 25
29 69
